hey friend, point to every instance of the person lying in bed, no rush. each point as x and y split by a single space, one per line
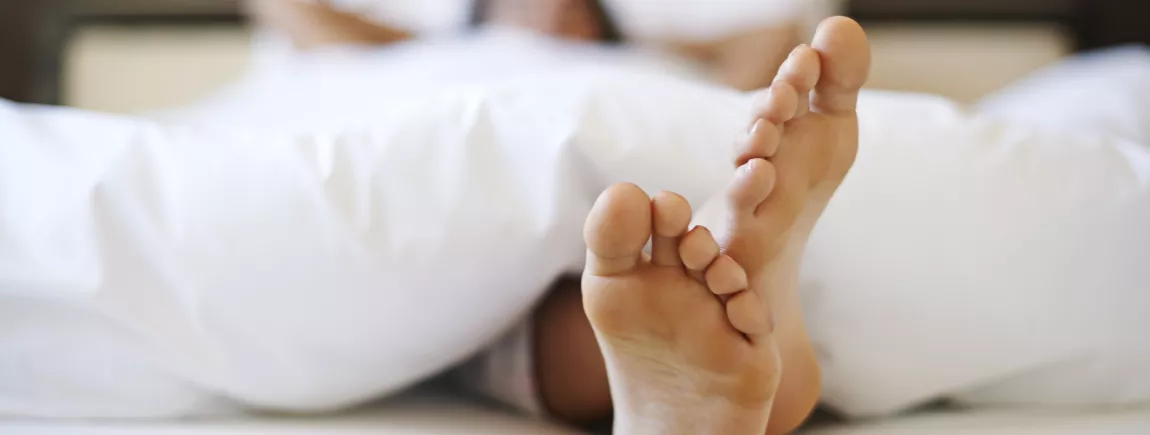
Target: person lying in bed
659 310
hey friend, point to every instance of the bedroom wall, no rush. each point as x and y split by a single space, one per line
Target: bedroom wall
961 61
131 68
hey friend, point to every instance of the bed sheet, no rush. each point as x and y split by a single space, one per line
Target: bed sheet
438 414
1002 422
411 414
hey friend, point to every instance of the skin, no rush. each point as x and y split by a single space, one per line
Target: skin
568 19
705 335
315 25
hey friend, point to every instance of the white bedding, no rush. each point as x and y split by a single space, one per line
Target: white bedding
340 238
637 19
437 415
1001 422
417 415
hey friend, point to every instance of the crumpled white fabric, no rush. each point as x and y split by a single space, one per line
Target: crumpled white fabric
1107 91
963 251
1104 92
638 19
309 271
705 20
321 243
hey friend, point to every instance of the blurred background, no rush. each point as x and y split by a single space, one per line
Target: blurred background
138 55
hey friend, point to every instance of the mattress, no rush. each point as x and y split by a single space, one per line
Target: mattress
413 414
439 414
1002 422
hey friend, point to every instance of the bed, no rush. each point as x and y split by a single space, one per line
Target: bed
1081 25
442 414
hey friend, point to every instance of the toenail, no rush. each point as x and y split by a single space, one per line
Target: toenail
745 169
755 127
748 167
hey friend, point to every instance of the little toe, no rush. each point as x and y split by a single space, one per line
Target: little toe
753 183
698 249
617 230
845 59
725 276
671 215
761 142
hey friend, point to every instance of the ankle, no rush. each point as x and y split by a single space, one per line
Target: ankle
569 368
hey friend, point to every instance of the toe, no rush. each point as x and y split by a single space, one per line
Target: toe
752 185
778 104
748 314
845 60
761 142
698 249
801 70
725 276
671 214
617 230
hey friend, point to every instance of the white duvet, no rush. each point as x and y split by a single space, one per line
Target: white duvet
324 237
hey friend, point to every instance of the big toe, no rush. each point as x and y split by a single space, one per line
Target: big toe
845 55
617 230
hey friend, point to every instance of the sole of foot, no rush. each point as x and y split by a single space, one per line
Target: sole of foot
689 334
687 348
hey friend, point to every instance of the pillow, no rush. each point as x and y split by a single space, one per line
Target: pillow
704 20
1114 83
638 19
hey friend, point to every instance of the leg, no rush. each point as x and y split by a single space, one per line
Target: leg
312 25
570 373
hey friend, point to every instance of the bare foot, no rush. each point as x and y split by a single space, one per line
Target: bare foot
802 143
688 334
678 362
